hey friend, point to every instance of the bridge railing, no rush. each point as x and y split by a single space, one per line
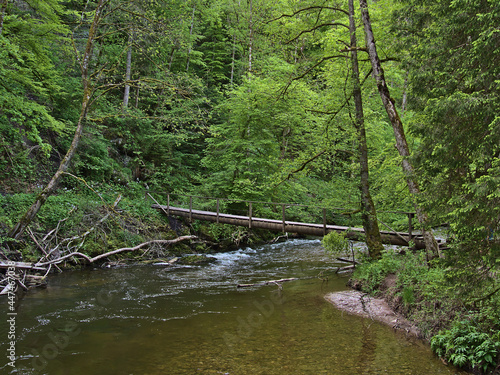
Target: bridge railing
388 220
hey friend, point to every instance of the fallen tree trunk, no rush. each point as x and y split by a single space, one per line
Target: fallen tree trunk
117 251
22 265
352 233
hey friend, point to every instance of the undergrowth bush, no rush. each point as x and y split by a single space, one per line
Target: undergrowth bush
371 274
85 214
220 231
465 345
335 243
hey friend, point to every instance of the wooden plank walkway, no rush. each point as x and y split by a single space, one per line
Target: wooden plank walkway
393 238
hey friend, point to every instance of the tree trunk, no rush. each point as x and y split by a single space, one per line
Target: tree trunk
233 55
190 38
31 213
369 215
405 95
401 144
126 94
3 6
250 37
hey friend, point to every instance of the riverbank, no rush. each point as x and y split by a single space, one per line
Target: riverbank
366 306
456 311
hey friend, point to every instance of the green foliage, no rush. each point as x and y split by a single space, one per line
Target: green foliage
220 231
408 295
335 243
61 207
199 120
257 134
13 206
460 303
464 344
456 103
29 79
94 162
371 274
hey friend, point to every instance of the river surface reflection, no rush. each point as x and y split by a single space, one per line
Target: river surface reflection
155 319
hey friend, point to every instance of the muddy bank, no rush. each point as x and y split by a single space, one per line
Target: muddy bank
362 304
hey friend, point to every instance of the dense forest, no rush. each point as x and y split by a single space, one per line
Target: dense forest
374 107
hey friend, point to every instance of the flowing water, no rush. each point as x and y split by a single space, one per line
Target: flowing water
158 319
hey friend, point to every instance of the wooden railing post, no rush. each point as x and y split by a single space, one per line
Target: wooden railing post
190 209
283 216
217 210
250 215
324 221
168 204
410 226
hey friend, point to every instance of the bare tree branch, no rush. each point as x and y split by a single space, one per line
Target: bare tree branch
316 28
290 174
113 252
317 7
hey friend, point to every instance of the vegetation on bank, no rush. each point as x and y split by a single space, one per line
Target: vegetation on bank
455 306
457 309
100 218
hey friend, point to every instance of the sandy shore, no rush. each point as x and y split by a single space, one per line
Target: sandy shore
362 304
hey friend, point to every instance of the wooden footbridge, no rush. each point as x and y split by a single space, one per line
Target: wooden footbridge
283 225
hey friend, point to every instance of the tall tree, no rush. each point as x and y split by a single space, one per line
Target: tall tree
399 133
453 64
368 212
329 67
85 67
128 71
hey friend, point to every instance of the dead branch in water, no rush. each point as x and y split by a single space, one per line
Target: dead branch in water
346 268
348 260
279 238
113 252
267 282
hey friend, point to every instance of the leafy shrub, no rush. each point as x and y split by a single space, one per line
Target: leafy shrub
464 344
13 206
371 274
408 295
220 231
93 160
60 207
335 243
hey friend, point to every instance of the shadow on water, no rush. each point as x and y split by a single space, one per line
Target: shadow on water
193 320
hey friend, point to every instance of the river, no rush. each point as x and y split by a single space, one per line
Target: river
157 319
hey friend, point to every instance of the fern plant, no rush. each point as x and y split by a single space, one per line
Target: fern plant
464 344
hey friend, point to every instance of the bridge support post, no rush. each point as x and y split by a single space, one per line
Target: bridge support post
250 215
217 210
168 204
